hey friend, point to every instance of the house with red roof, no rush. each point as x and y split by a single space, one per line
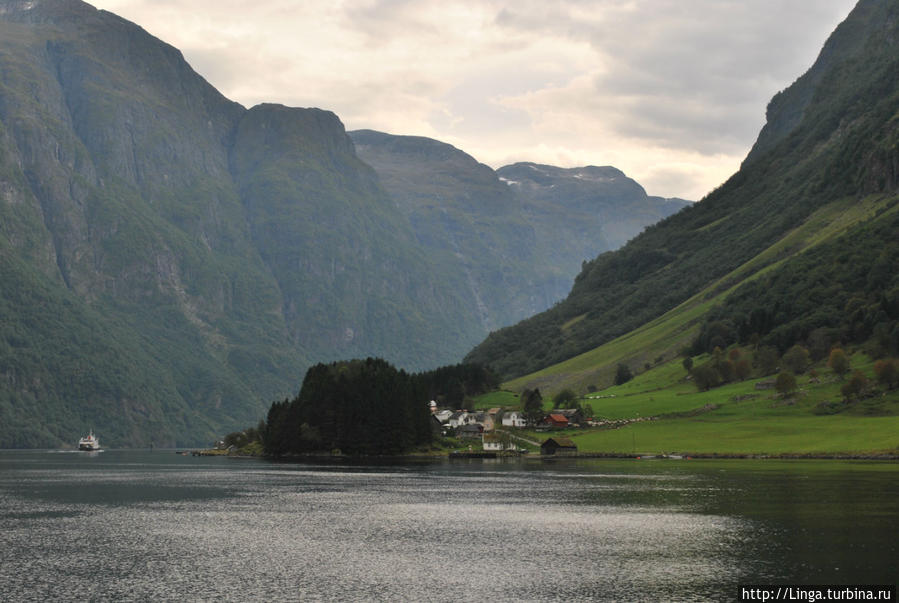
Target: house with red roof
556 420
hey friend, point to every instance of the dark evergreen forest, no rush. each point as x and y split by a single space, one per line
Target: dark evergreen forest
367 407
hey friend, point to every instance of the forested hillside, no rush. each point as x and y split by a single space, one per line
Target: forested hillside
831 141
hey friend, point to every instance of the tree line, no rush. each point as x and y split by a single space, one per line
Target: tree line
366 407
739 364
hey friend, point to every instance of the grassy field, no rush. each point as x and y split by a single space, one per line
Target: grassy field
812 435
497 399
663 412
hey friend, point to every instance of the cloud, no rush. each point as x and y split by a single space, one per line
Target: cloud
671 92
682 74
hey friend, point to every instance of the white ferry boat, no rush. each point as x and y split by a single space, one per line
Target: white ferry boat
89 443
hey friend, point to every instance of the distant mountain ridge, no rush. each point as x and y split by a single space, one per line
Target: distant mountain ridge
172 261
604 204
517 242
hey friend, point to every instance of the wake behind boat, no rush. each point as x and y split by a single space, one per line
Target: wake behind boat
89 443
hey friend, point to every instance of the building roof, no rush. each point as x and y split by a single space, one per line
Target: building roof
568 412
560 418
560 442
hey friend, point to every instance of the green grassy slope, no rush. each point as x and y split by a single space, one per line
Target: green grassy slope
661 411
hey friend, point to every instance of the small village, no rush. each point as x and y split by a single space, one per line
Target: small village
495 429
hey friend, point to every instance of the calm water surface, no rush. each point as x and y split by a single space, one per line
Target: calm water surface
130 525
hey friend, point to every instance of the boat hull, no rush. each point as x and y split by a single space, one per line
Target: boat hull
89 443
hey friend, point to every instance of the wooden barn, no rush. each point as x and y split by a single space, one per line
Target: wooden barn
558 447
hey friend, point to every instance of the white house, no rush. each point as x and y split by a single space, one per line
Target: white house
443 415
458 418
514 419
495 443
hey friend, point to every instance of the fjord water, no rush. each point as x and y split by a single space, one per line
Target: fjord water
132 525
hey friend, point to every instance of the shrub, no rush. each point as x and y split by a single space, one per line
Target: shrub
785 383
766 360
838 362
796 359
564 399
705 377
887 372
743 368
727 371
855 386
623 374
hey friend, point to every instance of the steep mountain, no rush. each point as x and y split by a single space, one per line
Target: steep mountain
352 279
172 261
121 243
814 202
513 238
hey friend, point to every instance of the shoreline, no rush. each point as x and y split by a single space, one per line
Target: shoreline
746 456
823 456
885 457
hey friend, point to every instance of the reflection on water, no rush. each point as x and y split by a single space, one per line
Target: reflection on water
138 525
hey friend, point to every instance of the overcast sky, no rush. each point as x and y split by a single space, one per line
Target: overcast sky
672 92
